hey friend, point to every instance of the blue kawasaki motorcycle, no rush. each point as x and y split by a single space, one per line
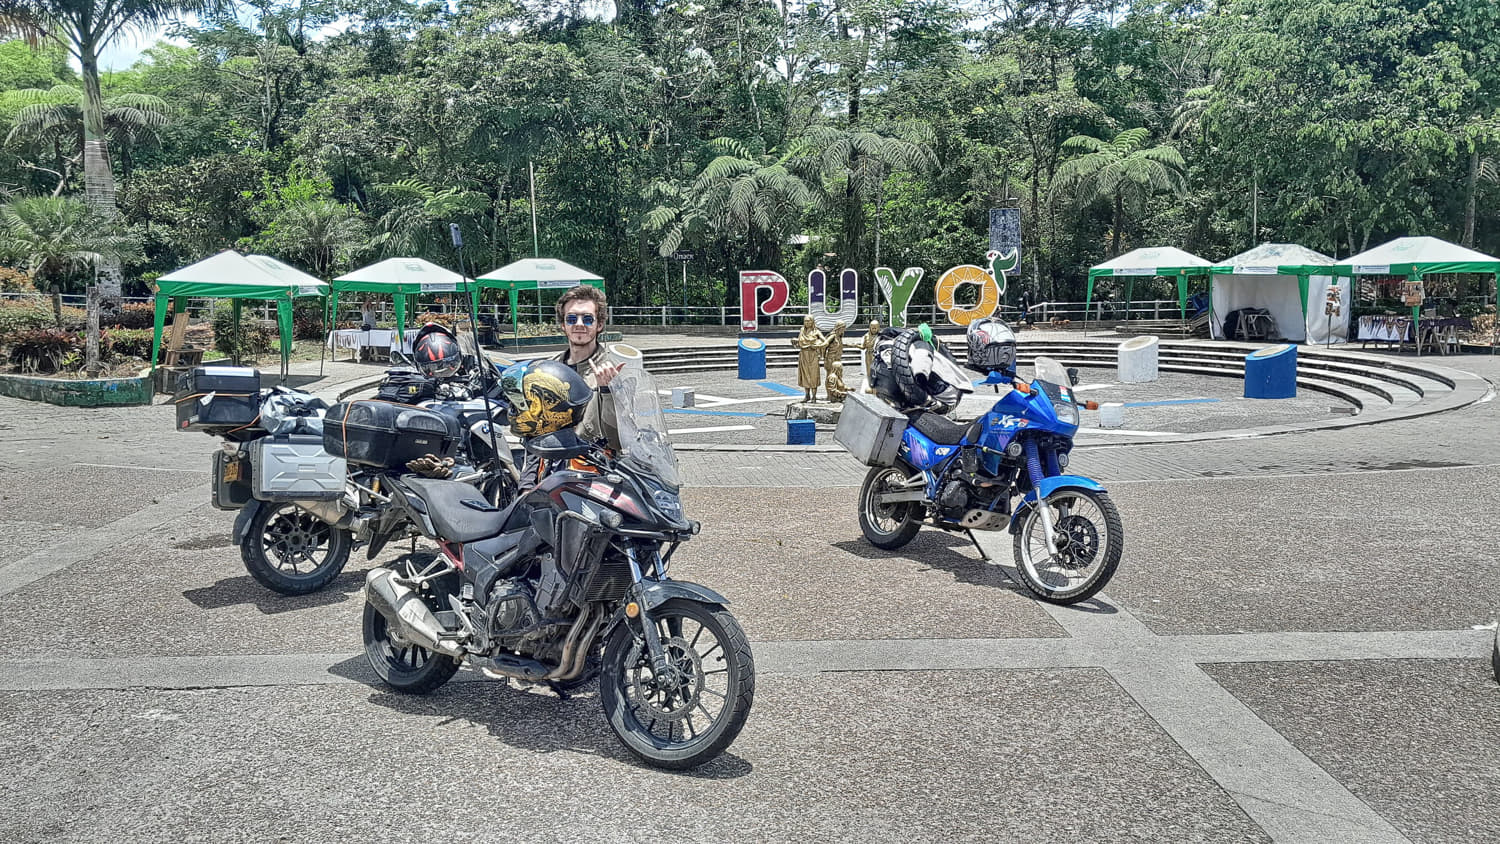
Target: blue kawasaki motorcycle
1002 471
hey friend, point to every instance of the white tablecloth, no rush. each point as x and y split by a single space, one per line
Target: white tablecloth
355 339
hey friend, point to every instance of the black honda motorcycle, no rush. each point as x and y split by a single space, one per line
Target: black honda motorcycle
567 582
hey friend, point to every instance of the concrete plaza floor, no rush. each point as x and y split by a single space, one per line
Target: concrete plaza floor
1295 648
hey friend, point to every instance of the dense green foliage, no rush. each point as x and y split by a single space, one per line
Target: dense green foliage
757 134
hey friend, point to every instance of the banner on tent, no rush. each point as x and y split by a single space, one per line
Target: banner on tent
1134 271
1373 269
439 287
1255 271
309 290
553 285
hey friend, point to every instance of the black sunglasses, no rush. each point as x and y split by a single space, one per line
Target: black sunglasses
574 319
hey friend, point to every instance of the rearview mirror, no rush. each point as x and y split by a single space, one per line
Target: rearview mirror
398 356
1072 376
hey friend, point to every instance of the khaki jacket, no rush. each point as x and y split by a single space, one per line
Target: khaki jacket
599 417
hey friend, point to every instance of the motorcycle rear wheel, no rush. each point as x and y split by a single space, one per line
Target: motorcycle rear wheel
686 720
291 551
405 666
1095 539
887 526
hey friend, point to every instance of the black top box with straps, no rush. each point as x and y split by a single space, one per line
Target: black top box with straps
379 433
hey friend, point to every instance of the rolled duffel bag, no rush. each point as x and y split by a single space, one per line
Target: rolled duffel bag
370 432
406 386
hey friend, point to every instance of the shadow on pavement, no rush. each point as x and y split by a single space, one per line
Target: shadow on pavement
943 552
531 720
232 591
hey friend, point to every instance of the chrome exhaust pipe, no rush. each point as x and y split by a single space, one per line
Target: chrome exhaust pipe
406 612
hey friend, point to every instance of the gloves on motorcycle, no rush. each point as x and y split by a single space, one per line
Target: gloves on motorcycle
431 466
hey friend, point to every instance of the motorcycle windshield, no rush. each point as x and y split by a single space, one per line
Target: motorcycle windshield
642 425
1053 378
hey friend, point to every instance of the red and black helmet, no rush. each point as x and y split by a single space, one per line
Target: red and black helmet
436 351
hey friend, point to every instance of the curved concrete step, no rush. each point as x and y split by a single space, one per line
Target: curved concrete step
1380 387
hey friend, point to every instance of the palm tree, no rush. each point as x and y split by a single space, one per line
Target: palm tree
414 227
851 166
1123 171
318 233
85 29
746 201
55 116
58 237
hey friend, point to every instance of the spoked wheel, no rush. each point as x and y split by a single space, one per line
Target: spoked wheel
694 709
887 526
1089 541
404 666
291 551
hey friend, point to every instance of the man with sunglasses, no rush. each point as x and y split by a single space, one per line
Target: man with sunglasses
582 312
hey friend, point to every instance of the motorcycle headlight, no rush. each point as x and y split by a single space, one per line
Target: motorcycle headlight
1062 461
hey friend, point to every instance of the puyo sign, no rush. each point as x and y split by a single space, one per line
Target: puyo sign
897 290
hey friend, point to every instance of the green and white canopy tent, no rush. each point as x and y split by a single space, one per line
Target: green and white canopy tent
401 278
1414 257
534 274
1165 261
230 275
1285 279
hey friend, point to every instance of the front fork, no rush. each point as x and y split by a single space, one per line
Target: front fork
1037 474
660 665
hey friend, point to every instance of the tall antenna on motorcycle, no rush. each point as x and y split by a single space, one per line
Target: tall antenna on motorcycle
484 363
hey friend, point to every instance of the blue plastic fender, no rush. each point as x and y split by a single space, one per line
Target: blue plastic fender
1049 486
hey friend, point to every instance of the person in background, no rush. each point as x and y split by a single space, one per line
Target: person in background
582 313
1026 314
367 314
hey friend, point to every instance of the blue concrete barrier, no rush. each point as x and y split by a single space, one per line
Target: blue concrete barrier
801 432
752 359
1271 373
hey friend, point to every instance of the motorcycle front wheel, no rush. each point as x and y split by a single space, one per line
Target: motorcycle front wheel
887 526
690 714
1090 540
291 551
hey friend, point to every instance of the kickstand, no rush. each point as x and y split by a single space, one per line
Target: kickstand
974 539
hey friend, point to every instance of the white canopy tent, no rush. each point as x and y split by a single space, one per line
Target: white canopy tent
534 274
1165 261
1288 280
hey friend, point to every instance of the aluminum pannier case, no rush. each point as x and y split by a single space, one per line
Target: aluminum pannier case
295 468
870 429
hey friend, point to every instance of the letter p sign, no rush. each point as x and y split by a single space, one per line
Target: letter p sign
753 281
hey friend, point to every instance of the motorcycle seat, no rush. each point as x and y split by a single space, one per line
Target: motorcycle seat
942 430
458 511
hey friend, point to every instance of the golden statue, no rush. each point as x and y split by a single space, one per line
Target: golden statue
833 361
868 344
809 345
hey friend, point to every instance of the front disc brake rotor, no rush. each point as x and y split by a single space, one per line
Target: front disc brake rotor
670 697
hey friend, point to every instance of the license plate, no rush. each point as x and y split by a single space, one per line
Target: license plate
231 471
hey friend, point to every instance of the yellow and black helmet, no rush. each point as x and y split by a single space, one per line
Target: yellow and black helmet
552 397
